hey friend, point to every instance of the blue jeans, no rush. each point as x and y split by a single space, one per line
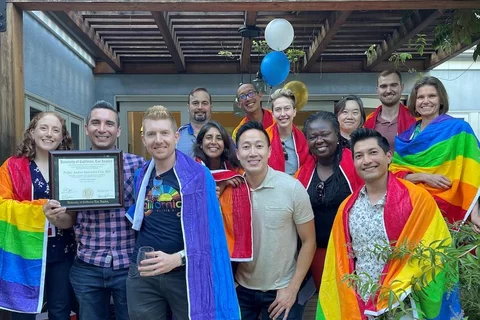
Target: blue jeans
255 303
94 286
58 292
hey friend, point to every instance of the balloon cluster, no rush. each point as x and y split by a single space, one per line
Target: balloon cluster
275 66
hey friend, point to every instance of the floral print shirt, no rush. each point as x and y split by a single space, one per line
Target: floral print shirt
369 240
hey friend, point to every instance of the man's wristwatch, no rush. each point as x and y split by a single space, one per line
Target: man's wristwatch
182 257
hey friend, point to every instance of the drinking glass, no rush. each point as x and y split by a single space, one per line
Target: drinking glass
142 253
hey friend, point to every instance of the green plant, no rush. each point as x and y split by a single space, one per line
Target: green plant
463 26
294 55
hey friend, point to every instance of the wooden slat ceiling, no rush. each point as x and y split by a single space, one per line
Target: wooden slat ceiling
137 40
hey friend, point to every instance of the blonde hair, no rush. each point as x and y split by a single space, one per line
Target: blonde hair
283 93
159 113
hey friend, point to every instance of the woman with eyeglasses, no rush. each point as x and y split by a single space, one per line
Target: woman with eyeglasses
351 115
216 151
289 146
329 177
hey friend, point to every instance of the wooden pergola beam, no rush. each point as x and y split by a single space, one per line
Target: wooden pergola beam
12 93
241 5
441 56
165 26
412 26
327 32
86 34
250 20
232 67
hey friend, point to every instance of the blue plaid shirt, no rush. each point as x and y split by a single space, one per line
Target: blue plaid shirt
105 237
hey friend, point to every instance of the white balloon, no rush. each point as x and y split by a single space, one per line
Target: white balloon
279 34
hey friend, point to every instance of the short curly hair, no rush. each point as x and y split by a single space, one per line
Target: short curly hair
27 147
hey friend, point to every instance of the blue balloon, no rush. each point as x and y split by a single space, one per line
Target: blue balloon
275 68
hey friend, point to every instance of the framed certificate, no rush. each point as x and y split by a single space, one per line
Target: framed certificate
82 180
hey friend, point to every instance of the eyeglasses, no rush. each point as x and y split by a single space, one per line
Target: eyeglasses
285 153
320 191
250 94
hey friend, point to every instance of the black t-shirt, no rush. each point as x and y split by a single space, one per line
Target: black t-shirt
161 227
325 212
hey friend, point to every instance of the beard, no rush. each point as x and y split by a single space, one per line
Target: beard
200 117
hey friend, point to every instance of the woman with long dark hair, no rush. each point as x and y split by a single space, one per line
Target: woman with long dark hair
216 150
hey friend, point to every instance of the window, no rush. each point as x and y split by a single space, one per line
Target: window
34 105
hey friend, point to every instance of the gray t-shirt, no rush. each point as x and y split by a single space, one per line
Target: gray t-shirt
291 164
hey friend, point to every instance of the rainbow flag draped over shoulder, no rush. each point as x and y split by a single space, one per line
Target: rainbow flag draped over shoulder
23 240
447 146
266 123
411 216
277 159
210 286
237 216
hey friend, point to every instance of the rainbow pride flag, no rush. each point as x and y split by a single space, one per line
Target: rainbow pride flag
411 216
236 211
447 146
23 240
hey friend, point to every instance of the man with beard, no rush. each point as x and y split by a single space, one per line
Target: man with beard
250 100
199 111
392 116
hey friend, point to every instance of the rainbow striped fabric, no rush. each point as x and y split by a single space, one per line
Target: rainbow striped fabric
23 243
411 216
236 211
447 146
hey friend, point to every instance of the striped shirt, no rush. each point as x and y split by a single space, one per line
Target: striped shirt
105 237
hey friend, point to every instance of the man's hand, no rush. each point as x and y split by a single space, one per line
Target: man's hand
283 303
53 210
437 181
234 182
159 262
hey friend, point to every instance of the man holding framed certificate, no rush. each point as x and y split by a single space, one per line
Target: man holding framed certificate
105 238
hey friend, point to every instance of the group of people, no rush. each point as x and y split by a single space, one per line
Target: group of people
248 226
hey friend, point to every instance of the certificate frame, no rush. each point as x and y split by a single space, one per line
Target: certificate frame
86 180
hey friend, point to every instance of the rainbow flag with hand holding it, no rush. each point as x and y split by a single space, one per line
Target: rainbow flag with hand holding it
447 146
411 217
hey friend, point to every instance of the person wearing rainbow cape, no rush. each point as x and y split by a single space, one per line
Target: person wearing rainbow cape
440 153
177 214
388 213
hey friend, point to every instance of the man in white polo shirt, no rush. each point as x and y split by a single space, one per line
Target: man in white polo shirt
282 213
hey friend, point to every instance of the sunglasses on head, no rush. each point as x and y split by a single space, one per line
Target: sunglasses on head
285 153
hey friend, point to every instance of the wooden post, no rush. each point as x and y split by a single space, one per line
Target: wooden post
12 117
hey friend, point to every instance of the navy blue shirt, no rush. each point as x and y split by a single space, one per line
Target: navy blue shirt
61 243
161 227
